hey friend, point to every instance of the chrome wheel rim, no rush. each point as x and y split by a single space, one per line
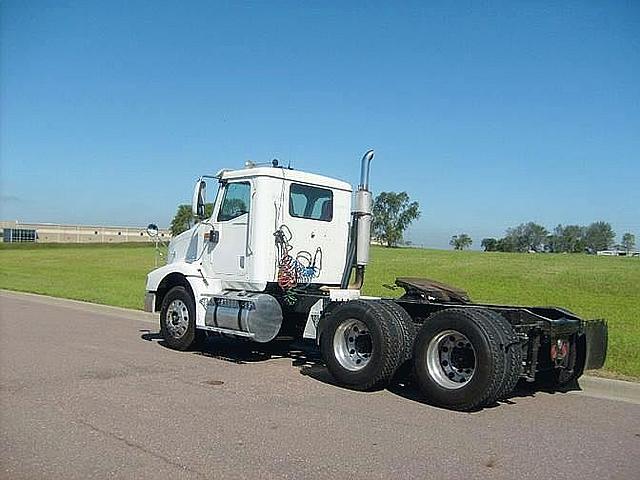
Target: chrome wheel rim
451 359
177 321
352 345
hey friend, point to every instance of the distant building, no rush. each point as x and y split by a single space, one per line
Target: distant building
14 231
617 252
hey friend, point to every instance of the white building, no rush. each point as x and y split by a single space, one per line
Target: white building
616 252
14 231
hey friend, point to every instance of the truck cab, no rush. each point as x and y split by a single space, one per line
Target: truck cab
269 224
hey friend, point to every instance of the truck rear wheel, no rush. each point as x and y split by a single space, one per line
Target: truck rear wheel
408 332
362 345
178 319
459 359
512 352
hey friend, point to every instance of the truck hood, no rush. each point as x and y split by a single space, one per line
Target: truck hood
185 247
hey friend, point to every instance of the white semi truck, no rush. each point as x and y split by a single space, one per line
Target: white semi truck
285 252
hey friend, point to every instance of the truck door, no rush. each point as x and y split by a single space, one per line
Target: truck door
310 223
228 256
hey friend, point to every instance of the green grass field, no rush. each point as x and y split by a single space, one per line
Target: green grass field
593 287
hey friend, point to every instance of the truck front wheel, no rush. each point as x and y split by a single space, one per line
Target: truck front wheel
178 320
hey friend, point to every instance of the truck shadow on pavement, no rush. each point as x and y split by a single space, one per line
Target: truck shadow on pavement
305 356
302 353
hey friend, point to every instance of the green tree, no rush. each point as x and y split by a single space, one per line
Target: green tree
599 236
460 242
183 220
392 214
569 239
554 240
628 241
489 244
526 237
506 244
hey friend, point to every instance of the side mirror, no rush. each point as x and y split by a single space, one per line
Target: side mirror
152 230
198 200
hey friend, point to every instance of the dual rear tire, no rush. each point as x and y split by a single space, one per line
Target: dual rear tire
463 358
466 358
365 343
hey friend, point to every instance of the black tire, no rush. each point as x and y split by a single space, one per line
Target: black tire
408 331
512 350
190 337
386 345
483 386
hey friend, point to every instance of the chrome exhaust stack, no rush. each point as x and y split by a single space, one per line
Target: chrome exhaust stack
364 170
363 206
360 238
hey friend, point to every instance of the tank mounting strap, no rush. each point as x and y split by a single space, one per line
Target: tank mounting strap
235 333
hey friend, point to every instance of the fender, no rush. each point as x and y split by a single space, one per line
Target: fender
200 285
155 277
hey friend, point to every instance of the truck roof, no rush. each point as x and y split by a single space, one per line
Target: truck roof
285 173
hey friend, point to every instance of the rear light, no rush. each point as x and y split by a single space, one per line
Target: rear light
559 350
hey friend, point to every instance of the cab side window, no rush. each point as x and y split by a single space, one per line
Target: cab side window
310 202
236 202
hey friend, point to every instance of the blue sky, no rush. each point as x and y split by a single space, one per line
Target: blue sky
489 114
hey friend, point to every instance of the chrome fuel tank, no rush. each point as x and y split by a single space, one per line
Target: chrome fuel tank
251 315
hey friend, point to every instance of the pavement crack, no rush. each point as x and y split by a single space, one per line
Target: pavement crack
141 448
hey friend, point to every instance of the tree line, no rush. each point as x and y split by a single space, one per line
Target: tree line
532 237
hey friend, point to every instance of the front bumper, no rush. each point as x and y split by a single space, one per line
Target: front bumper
150 302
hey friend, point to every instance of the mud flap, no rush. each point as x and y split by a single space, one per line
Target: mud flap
596 334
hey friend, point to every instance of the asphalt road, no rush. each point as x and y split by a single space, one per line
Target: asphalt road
90 392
